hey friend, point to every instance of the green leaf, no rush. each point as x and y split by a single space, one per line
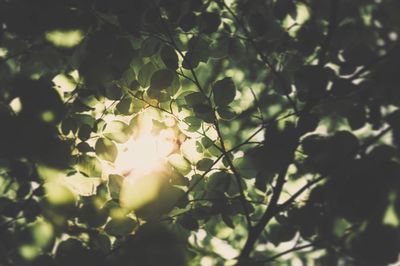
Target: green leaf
227 220
68 252
279 233
206 142
195 98
190 61
226 113
209 22
193 122
357 117
90 166
157 127
199 48
245 167
205 112
197 182
68 125
307 123
187 21
169 57
204 164
113 92
218 181
124 106
175 85
198 51
117 131
128 77
161 79
100 242
145 74
84 147
180 163
106 149
114 185
149 47
84 132
90 214
224 91
188 222
220 47
202 108
236 49
120 227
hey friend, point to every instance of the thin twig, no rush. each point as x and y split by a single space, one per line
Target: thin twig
269 213
264 59
331 29
287 252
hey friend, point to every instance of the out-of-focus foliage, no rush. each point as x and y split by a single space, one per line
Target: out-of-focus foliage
282 119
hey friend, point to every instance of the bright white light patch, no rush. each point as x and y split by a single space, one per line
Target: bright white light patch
144 154
141 161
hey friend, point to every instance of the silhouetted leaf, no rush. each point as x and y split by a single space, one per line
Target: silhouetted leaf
204 164
161 79
120 227
209 22
224 91
169 57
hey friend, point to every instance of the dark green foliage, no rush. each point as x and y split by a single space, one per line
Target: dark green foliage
282 119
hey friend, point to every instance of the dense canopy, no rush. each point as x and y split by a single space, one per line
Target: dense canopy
199 132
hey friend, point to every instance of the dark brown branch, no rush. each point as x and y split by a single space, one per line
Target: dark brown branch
269 213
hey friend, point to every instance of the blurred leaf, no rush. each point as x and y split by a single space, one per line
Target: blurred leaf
90 166
204 164
120 227
180 163
224 91
145 74
106 149
117 131
114 185
209 22
226 113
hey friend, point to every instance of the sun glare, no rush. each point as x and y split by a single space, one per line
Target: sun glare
142 161
144 154
145 151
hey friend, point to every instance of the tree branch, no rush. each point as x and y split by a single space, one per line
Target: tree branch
269 213
264 59
296 248
243 200
216 124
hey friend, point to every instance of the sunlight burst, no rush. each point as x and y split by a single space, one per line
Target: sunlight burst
141 161
145 153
